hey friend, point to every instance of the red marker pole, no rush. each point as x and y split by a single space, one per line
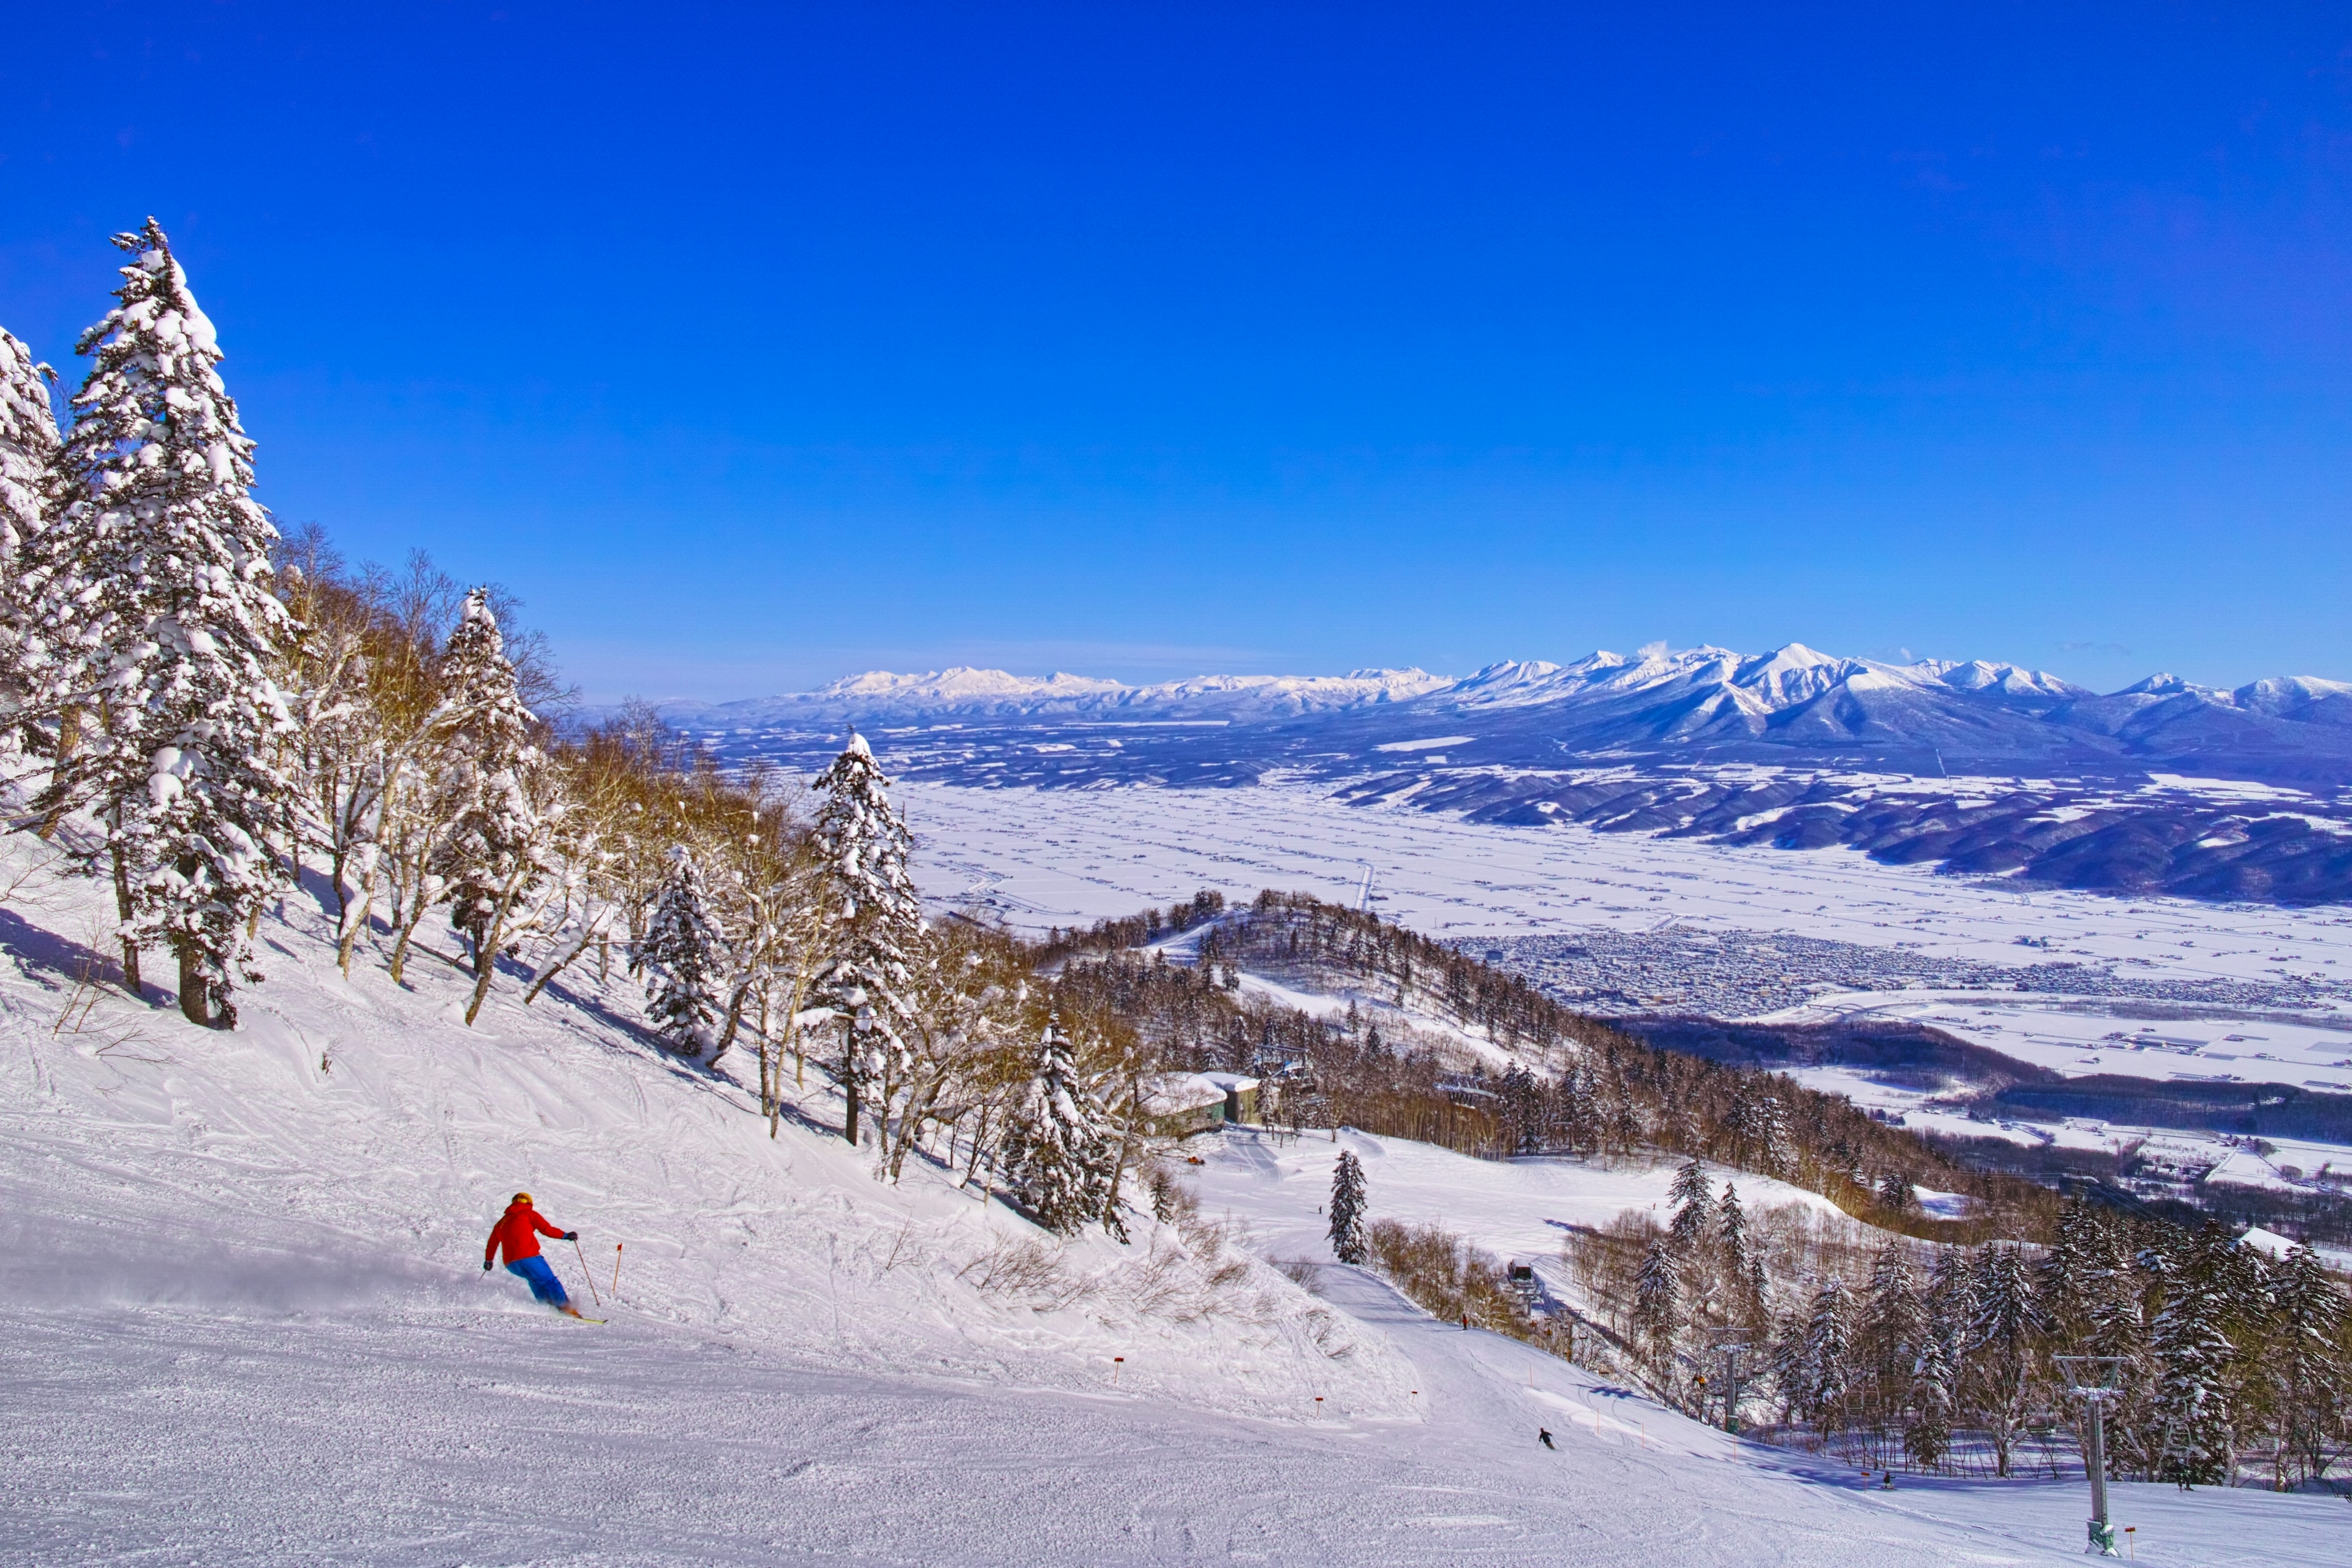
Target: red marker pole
616 1271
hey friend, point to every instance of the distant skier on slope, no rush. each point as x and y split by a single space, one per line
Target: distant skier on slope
1544 1437
518 1231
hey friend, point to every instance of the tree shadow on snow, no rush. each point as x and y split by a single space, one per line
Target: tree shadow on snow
43 952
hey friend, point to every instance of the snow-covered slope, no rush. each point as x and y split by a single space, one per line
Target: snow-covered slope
348 1147
247 1324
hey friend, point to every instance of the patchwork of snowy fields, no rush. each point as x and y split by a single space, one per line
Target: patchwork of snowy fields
1054 856
2158 988
1048 857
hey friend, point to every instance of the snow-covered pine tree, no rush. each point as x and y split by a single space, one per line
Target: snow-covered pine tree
1928 1432
2115 1324
1060 1157
28 444
1936 1374
1347 1230
1896 1193
1743 1271
2005 1368
493 791
1894 1323
1581 1106
679 958
1828 1354
2066 1274
29 479
1758 1126
874 926
1694 1201
1522 1100
2307 1366
159 630
2193 1413
1657 1304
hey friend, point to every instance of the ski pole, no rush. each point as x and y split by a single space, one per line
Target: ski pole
588 1271
616 1271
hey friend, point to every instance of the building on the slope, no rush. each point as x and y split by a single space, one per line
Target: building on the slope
1179 1104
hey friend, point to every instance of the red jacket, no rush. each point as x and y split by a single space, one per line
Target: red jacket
514 1232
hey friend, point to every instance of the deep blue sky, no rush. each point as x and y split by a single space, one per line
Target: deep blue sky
753 346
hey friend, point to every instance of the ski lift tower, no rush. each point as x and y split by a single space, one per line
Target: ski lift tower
1730 1345
2095 1380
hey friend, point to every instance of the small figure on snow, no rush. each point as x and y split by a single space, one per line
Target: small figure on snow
518 1231
1544 1437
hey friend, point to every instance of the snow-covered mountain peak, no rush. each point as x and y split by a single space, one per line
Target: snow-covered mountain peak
2010 680
963 683
2295 694
2164 684
1697 702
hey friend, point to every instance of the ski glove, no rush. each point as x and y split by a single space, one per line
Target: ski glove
486 1266
571 1236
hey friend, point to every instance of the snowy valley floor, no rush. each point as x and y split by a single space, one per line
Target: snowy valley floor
243 1321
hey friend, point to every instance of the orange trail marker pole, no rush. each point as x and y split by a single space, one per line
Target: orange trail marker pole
1116 1363
616 1271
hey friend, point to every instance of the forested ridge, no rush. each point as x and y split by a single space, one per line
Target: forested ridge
1572 1085
1912 1342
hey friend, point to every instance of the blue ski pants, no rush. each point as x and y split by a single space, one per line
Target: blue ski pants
534 1272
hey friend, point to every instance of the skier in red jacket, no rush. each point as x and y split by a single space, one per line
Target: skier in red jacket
518 1231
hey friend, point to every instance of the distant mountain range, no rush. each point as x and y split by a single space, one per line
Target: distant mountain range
1703 704
2164 786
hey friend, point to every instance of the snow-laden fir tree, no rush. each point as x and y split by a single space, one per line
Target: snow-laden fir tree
157 630
2307 1366
1896 1193
1757 1127
29 479
1828 1356
1934 1390
2007 1371
874 928
1893 1323
1743 1269
1523 1105
679 959
2066 1273
1581 1106
1347 1231
1936 1378
1059 1155
490 792
28 444
1657 1304
2196 1425
1694 1201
